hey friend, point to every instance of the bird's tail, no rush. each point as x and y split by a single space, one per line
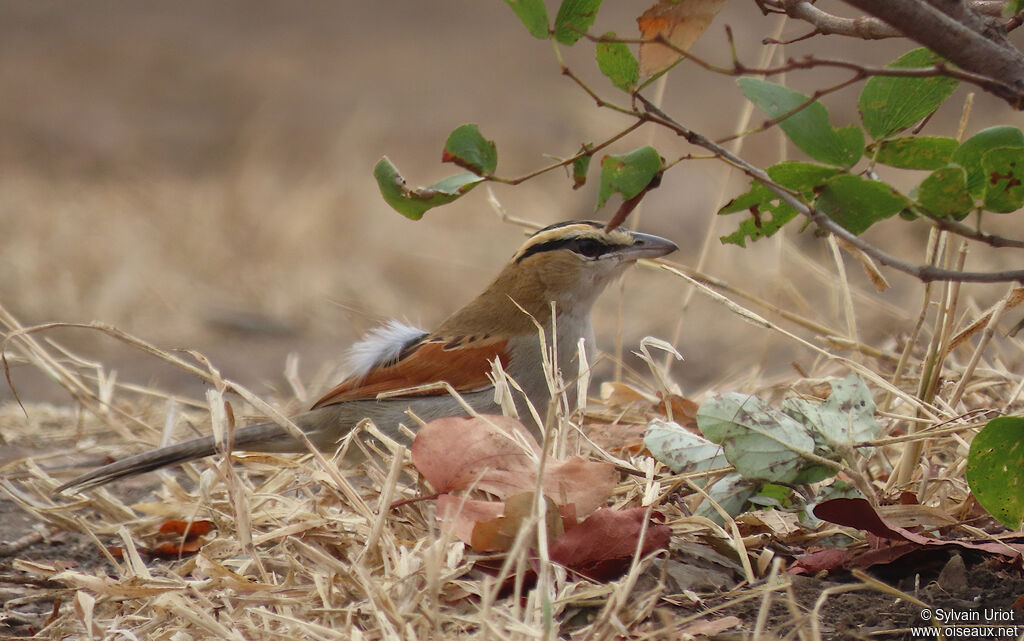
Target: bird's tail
262 437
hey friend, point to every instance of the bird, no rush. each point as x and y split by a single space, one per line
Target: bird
551 283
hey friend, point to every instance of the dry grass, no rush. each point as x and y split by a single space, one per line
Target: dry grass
175 191
302 550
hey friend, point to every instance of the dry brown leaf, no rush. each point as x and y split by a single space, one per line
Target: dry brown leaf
499 533
617 438
616 393
680 23
710 627
870 268
603 545
915 516
684 410
781 524
1012 299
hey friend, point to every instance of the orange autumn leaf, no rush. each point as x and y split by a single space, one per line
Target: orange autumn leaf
190 529
462 516
498 534
172 550
680 22
497 455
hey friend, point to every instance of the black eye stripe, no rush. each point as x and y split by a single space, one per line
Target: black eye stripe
589 247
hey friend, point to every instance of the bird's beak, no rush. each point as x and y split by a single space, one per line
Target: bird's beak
647 246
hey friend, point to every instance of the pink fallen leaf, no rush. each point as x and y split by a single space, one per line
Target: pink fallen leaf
498 455
460 514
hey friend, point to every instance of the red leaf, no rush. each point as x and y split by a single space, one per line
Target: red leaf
191 529
816 562
858 513
170 550
602 546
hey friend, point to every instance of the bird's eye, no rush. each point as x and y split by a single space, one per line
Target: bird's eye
589 247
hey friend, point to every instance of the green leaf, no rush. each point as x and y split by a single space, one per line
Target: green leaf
681 450
730 493
844 420
413 203
857 203
809 128
768 212
890 104
776 496
1013 7
760 441
804 177
628 174
468 149
914 152
968 154
1004 179
580 167
944 193
534 15
995 469
617 62
574 18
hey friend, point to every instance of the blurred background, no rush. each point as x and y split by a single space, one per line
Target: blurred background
199 174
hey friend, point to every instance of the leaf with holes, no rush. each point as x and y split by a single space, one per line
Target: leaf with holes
768 213
1004 179
969 154
413 203
628 174
889 104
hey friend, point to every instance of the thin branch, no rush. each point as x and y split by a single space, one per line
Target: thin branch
991 85
966 231
924 273
588 151
978 51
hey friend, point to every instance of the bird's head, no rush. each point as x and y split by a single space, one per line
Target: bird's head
569 263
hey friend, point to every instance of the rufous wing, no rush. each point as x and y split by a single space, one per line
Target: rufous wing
462 362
